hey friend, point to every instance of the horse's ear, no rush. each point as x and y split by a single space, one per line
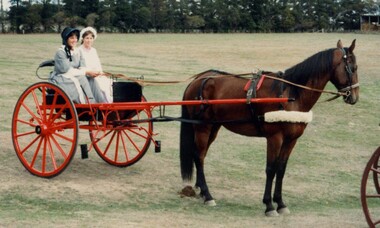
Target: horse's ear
352 47
339 44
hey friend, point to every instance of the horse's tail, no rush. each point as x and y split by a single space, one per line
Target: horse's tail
187 147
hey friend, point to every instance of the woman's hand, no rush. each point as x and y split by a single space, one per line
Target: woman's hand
93 74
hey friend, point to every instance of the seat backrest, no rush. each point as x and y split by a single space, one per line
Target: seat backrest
126 91
47 63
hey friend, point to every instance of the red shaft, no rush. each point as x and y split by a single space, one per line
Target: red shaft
143 105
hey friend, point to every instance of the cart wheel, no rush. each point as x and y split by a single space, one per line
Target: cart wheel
124 145
45 129
370 195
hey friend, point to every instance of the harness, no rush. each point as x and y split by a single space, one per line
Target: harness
254 84
202 107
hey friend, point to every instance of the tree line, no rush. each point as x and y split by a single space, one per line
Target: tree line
126 16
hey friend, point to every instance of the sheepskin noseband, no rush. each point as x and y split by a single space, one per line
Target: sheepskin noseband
288 116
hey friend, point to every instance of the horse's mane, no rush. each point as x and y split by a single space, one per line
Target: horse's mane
311 68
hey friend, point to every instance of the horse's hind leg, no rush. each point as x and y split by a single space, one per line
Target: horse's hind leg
204 136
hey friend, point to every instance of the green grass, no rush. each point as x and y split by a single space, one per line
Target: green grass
322 183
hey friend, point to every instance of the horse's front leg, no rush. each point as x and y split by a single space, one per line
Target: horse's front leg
274 144
277 196
281 168
267 199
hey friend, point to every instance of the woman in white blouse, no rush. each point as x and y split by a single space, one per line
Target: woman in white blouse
87 37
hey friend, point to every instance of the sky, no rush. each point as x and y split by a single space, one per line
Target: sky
6 4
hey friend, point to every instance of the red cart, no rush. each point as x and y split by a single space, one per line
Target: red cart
46 123
370 190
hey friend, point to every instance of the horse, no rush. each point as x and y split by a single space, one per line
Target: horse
304 82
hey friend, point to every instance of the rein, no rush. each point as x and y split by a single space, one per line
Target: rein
342 92
141 81
306 87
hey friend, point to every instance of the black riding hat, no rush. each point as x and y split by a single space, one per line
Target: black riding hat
67 32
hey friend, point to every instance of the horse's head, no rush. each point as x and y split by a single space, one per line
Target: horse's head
345 77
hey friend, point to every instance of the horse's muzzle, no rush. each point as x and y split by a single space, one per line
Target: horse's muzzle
351 97
350 94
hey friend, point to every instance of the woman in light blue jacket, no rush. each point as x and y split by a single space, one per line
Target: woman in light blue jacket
71 74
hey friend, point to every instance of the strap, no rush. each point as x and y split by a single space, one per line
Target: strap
251 93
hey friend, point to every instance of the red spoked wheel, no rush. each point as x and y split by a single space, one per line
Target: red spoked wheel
123 145
45 129
370 195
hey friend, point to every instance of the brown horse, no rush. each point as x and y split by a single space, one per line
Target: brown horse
304 82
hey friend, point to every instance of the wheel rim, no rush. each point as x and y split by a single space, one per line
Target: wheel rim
370 190
375 174
44 136
123 145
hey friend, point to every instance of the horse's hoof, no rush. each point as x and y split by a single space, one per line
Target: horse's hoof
271 213
210 203
283 211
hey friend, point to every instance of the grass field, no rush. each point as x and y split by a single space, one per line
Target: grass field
322 183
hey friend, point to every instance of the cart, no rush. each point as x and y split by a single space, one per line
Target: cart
46 124
370 190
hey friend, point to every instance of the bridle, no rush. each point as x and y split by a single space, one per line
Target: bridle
347 90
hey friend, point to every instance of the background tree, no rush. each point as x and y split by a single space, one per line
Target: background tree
157 10
47 15
91 19
349 12
141 15
188 15
2 17
74 21
72 7
107 16
172 15
33 18
59 20
184 11
88 7
287 19
17 15
123 15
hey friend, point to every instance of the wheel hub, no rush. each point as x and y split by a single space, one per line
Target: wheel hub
41 129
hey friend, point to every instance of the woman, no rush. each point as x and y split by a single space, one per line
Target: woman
87 37
71 74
